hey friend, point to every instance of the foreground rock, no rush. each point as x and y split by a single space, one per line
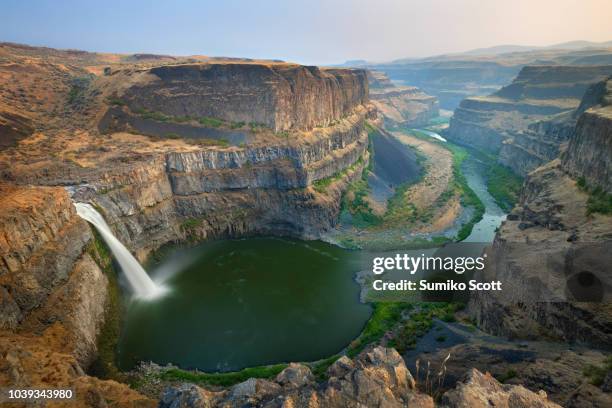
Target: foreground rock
482 390
46 362
376 378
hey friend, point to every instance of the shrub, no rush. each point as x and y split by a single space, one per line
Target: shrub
211 122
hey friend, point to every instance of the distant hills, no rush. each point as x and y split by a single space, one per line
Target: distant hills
453 77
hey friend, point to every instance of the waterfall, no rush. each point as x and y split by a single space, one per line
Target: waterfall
140 282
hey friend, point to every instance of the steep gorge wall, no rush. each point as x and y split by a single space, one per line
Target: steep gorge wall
279 96
401 105
552 255
527 120
45 264
589 151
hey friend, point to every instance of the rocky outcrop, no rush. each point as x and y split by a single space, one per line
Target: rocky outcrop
378 80
588 153
280 96
401 105
507 119
376 378
46 274
13 127
553 262
482 390
46 362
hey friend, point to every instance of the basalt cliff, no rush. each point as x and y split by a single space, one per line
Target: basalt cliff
527 121
554 248
401 105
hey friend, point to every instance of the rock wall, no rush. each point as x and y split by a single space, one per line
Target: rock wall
507 119
545 254
552 255
407 106
401 105
280 96
259 189
540 143
589 151
46 274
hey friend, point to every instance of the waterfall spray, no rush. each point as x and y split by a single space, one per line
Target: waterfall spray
137 277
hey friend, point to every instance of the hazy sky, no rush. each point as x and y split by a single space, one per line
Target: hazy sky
313 31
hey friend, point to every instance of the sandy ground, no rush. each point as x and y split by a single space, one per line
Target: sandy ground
438 175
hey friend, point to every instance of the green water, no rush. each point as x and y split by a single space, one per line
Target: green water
240 303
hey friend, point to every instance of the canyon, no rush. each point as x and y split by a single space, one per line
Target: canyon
187 149
301 124
551 238
453 77
527 121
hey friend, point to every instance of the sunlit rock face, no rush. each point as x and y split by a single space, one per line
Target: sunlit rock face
376 378
280 96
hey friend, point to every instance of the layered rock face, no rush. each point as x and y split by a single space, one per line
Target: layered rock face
452 80
552 255
401 105
540 143
376 378
46 275
506 121
588 152
279 96
378 80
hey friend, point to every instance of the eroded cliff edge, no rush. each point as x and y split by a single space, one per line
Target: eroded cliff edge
298 125
401 105
527 121
553 250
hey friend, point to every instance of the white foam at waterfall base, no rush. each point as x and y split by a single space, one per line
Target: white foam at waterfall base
142 285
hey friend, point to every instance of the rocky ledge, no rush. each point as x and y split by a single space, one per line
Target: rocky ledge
280 96
588 153
376 378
